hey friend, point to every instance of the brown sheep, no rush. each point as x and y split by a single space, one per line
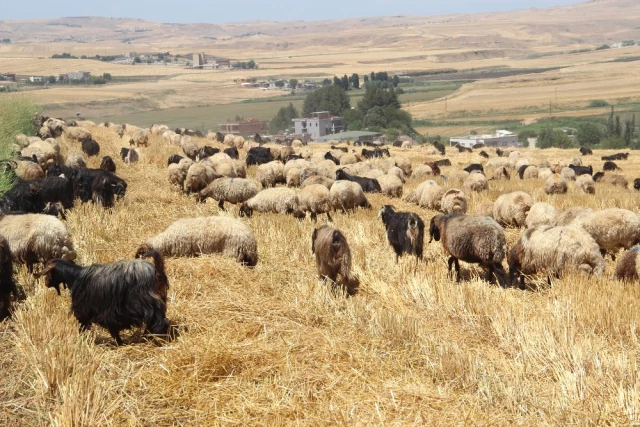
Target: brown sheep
333 258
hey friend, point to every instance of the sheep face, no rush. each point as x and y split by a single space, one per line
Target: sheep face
245 210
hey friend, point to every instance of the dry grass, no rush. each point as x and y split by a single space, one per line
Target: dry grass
271 345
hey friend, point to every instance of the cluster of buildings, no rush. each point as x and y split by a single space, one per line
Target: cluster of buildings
202 61
502 138
277 84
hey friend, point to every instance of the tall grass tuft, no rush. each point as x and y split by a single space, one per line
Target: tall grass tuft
16 116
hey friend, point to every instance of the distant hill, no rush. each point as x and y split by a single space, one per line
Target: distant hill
585 24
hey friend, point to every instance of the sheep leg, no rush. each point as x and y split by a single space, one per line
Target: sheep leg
489 276
221 204
115 333
314 217
450 262
457 270
501 275
329 217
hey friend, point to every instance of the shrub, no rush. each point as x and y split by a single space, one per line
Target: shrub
598 103
613 142
17 115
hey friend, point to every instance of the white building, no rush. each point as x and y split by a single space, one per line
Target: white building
502 138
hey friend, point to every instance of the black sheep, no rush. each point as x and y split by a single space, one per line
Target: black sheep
636 184
207 151
369 185
343 149
115 296
174 159
329 156
474 167
124 152
499 152
484 154
405 231
83 180
582 170
258 156
617 156
102 192
585 151
462 149
232 152
439 147
434 168
107 164
7 285
90 147
598 176
610 166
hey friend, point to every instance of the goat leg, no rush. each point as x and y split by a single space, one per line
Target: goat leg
115 333
457 270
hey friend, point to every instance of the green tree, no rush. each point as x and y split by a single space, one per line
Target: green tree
106 76
553 138
251 64
329 98
345 82
613 142
337 81
51 79
293 84
279 83
326 82
375 118
611 126
375 96
366 79
283 119
396 80
589 134
617 127
355 80
629 130
137 60
373 76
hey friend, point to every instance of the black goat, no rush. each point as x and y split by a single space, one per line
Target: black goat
329 156
369 185
207 151
83 181
582 170
636 184
484 154
129 155
258 156
115 296
107 164
617 156
521 170
598 176
232 152
24 196
7 285
443 162
90 147
610 166
58 169
434 168
478 146
174 159
343 149
462 149
405 231
439 147
474 167
499 152
102 192
585 151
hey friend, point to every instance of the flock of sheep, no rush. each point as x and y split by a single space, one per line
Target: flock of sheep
293 180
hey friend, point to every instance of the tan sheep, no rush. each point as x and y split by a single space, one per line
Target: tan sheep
586 184
422 171
541 214
476 182
347 195
501 173
555 184
390 185
431 195
29 170
316 199
530 172
453 201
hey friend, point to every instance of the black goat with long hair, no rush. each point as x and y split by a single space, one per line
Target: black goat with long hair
7 285
329 156
369 185
438 146
90 147
115 296
232 152
107 164
174 158
405 231
207 151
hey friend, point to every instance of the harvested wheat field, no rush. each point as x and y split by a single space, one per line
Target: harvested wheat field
273 345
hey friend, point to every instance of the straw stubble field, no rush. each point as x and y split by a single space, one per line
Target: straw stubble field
272 345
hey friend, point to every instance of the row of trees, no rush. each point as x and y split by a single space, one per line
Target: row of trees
380 79
250 65
378 111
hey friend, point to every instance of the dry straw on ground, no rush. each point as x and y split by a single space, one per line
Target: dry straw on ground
271 345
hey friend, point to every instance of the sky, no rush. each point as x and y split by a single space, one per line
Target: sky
188 11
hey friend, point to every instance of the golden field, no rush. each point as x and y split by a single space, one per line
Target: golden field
563 38
271 344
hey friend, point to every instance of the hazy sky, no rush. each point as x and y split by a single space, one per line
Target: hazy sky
249 10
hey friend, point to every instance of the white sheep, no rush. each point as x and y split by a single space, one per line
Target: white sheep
281 200
541 214
530 172
555 184
476 182
347 195
511 209
612 228
430 195
198 177
270 174
316 199
586 184
36 238
75 161
232 190
453 201
554 249
422 172
390 185
189 237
